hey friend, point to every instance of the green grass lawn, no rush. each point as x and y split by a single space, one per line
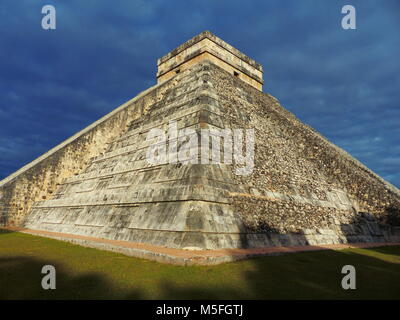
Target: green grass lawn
85 273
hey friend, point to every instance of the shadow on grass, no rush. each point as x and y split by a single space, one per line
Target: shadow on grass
21 279
5 231
309 275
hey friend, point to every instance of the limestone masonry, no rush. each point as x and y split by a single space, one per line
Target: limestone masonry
303 190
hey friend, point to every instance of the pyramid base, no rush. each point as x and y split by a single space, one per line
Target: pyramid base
191 257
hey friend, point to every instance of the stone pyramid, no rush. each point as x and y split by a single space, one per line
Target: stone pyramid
301 190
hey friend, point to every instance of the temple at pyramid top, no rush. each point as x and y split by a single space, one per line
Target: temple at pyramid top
207 46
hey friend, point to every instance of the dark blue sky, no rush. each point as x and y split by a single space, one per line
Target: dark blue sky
344 83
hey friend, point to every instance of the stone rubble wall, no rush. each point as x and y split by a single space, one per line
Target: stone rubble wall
302 185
